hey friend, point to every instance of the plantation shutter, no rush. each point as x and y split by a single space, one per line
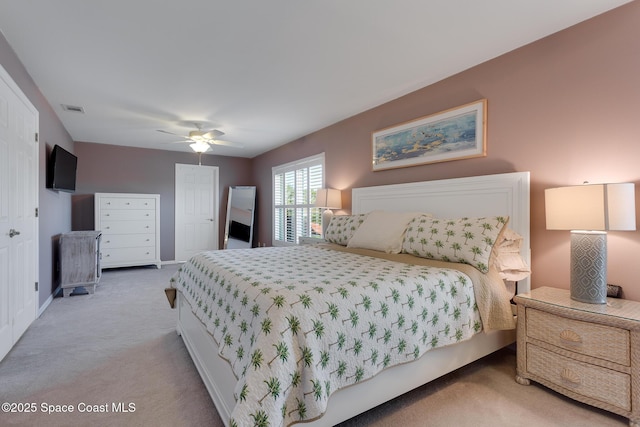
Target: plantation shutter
295 186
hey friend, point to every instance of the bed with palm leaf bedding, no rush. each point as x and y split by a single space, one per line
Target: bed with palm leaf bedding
323 332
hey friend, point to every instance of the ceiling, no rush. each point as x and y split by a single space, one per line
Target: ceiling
263 72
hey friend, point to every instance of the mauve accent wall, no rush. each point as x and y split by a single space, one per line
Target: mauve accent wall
564 108
104 168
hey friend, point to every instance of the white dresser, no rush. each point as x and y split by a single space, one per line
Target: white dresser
130 225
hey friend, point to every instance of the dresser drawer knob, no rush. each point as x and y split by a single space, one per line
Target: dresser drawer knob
571 336
570 376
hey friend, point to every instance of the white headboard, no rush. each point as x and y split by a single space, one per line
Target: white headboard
488 195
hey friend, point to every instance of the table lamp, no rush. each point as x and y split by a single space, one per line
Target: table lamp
589 211
328 198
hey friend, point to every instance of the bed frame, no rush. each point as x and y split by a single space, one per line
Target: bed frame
503 194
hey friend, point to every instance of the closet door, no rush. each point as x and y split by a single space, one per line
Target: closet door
196 210
18 218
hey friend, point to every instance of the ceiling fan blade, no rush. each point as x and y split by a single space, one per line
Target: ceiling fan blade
226 143
209 136
170 133
212 134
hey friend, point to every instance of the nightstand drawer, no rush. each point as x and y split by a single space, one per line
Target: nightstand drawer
603 342
591 381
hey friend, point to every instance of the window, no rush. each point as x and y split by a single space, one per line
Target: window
294 193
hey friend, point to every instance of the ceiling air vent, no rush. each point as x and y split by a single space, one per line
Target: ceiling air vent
73 108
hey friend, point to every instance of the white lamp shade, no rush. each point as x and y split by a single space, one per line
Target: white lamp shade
600 207
329 198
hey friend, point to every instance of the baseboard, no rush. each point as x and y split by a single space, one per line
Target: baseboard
47 302
171 262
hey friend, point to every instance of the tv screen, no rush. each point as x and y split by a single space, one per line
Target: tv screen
62 170
239 231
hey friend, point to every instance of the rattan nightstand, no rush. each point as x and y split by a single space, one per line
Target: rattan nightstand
589 352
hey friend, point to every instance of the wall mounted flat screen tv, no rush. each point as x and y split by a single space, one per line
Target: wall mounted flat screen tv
61 170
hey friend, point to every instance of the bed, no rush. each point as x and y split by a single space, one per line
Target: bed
340 387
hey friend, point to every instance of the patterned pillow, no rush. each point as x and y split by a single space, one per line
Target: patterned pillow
464 240
342 227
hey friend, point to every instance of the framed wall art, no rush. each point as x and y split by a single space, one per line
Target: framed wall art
458 133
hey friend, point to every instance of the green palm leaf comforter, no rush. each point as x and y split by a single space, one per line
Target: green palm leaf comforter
298 323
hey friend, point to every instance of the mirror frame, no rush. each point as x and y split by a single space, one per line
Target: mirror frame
236 190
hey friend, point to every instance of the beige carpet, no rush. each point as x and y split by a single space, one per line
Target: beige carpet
119 347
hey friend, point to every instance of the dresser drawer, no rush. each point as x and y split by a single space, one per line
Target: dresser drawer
127 215
128 227
127 203
591 381
124 255
604 342
128 241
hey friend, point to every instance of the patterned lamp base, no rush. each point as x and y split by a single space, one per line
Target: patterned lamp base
589 266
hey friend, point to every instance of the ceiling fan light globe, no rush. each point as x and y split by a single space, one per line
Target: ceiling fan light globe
199 146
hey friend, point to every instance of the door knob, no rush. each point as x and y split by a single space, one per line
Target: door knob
13 232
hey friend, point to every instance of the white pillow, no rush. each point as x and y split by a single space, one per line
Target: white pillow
506 257
511 266
382 231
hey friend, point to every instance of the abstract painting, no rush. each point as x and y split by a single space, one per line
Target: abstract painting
458 133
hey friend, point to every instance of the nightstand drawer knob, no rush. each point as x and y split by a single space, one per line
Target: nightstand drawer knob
571 336
570 376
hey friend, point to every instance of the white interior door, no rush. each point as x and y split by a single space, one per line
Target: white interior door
18 218
196 210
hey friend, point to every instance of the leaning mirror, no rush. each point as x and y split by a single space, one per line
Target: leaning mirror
240 216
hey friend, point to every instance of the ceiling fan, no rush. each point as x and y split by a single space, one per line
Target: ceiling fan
201 139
